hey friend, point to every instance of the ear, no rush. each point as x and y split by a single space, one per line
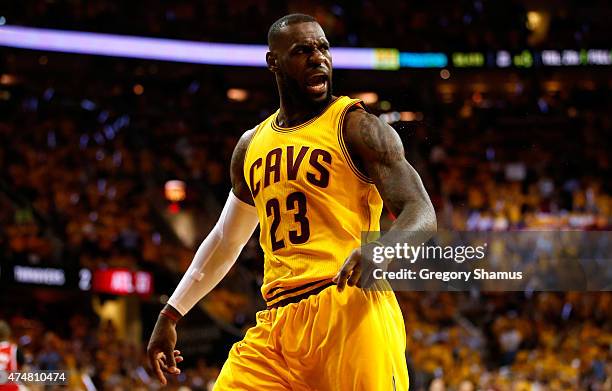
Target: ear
271 61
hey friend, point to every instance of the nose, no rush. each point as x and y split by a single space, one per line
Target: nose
317 57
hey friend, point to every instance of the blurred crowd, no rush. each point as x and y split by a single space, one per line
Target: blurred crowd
84 163
83 169
83 181
94 355
463 25
521 173
456 341
545 341
84 158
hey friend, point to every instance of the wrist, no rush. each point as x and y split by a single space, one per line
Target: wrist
171 314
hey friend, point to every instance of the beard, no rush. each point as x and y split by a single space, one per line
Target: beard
297 93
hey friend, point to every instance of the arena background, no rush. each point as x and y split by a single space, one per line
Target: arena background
113 169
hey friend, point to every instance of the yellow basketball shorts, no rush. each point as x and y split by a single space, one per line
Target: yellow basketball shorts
336 341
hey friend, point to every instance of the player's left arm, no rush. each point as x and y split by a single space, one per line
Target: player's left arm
378 151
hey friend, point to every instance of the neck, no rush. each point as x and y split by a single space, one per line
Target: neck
294 111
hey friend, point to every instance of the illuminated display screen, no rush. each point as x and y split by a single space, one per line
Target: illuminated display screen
122 282
39 275
468 60
423 60
112 281
254 55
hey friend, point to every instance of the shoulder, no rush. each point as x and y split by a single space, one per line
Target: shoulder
370 137
242 146
245 139
237 164
358 118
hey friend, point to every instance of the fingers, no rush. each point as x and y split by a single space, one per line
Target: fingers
345 272
160 363
355 275
177 357
156 363
161 360
171 362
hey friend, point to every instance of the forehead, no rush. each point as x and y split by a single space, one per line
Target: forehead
302 33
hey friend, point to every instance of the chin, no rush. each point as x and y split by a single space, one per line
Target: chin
324 98
319 98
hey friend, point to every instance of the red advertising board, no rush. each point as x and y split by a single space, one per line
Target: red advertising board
122 282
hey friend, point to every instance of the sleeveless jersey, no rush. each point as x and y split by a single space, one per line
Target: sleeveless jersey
313 203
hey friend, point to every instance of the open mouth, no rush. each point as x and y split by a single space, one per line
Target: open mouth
317 84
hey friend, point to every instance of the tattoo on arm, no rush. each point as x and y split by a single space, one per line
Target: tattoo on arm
379 148
384 144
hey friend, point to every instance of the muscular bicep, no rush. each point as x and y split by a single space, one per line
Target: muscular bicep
239 184
379 149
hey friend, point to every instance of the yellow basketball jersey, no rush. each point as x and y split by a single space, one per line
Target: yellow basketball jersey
312 202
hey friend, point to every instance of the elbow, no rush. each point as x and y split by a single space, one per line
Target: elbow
235 243
431 222
231 239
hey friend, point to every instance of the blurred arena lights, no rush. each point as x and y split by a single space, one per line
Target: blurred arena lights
465 60
410 116
7 79
237 94
254 55
120 281
391 117
423 60
138 89
166 49
175 190
369 98
503 59
407 116
534 20
385 105
552 86
524 59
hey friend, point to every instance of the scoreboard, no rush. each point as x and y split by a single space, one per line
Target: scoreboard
114 281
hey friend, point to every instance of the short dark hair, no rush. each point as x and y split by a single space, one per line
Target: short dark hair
286 21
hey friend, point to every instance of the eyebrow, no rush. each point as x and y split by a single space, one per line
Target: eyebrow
303 44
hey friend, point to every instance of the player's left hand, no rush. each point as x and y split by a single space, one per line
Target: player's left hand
356 271
160 351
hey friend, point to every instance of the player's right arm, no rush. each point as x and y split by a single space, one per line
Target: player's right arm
211 262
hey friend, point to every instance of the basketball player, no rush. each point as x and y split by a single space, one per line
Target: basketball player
313 176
